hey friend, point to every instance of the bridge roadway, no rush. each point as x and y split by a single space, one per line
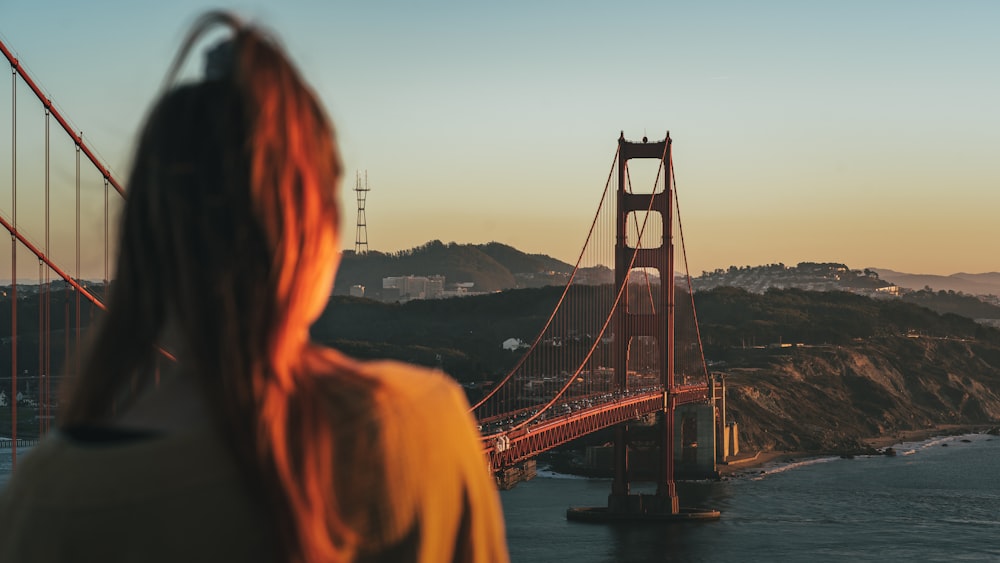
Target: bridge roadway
509 447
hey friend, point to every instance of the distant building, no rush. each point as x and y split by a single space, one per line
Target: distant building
513 344
415 287
892 290
357 290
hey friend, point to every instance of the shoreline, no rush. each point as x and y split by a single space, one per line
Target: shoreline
759 459
751 461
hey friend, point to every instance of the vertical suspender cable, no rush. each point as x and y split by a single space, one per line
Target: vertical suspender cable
76 334
694 311
13 269
106 188
41 352
47 323
66 327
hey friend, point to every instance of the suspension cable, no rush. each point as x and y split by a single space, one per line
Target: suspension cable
687 271
607 321
569 283
47 103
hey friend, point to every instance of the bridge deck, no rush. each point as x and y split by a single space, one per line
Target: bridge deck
507 447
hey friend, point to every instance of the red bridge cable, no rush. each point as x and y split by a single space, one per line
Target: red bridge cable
81 146
47 103
34 250
81 290
607 321
569 283
687 271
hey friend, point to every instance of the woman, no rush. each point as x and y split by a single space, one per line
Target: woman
252 443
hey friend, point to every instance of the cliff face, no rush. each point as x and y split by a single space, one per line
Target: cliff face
832 397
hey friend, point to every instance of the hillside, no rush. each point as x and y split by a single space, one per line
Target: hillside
822 371
814 276
972 284
732 317
831 398
489 267
951 302
847 366
962 294
807 370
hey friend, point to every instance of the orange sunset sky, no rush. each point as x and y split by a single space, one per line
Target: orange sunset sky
857 132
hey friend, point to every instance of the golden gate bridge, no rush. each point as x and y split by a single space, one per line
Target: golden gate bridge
607 355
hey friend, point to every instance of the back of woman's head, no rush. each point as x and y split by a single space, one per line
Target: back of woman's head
232 194
229 244
229 227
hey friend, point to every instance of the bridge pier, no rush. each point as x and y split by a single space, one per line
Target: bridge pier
510 476
662 506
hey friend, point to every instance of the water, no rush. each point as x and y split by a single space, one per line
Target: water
929 503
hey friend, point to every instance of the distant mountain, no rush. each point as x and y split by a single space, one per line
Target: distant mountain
960 294
973 284
958 303
489 267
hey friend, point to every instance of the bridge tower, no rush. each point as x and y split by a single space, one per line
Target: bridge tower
636 324
658 323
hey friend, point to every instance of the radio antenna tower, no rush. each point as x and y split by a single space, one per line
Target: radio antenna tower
361 234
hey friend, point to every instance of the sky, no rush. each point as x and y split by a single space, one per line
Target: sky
861 132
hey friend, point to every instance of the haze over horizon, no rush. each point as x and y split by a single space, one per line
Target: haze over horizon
857 133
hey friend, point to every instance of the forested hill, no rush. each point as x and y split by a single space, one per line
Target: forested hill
735 317
806 370
465 335
491 267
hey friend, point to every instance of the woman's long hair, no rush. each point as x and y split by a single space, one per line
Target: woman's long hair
228 234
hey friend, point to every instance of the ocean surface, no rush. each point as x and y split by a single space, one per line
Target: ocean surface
938 500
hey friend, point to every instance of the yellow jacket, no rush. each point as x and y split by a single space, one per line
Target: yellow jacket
180 497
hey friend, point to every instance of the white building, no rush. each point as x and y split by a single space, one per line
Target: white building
415 287
513 344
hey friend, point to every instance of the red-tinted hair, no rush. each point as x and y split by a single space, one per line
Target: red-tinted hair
229 229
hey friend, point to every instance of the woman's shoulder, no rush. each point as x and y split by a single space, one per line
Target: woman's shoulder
410 428
391 383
